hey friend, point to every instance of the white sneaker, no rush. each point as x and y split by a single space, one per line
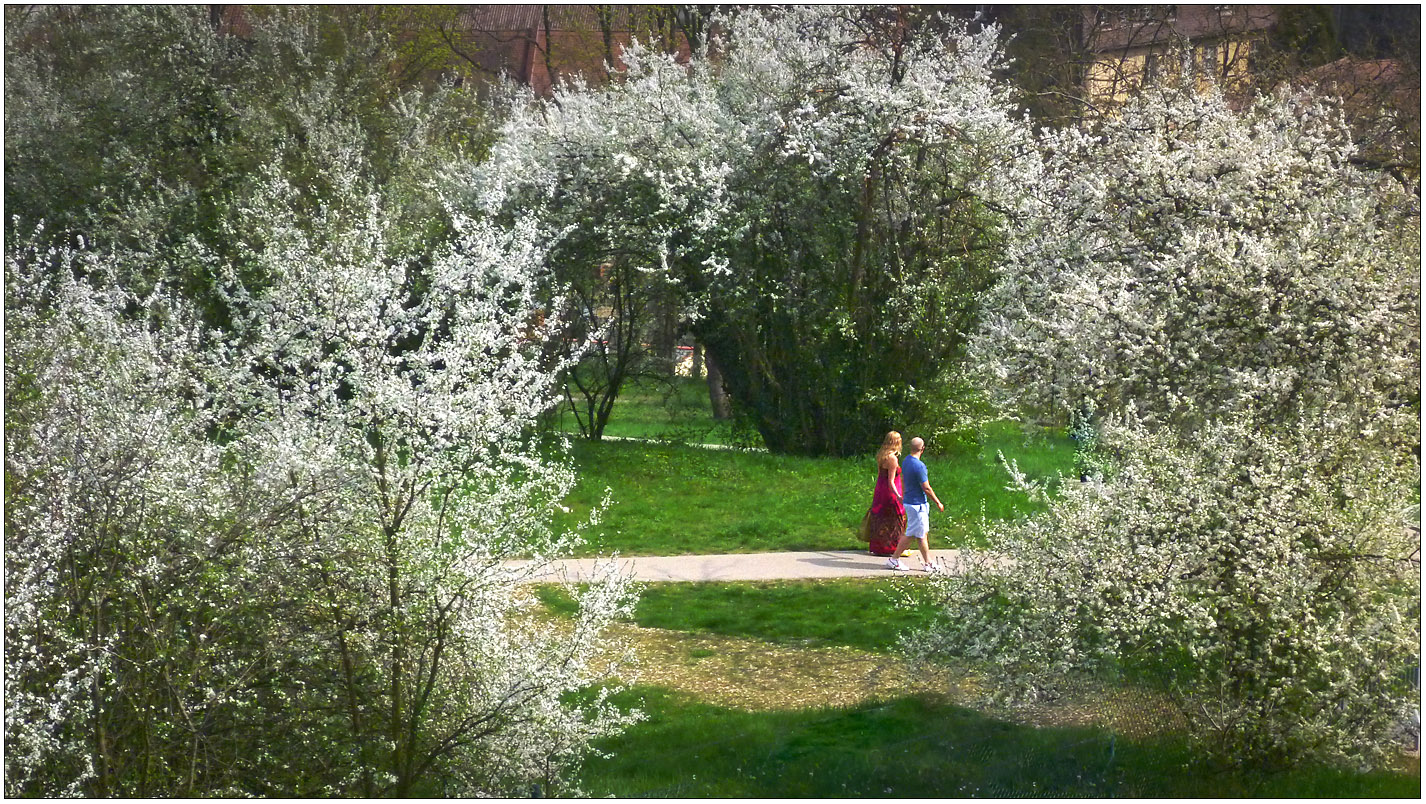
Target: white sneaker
931 568
893 564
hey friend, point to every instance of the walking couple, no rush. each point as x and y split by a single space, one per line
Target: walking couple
895 518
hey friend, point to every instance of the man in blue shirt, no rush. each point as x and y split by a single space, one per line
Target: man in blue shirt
918 510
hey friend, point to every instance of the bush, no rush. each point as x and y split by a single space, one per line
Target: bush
1228 309
269 561
1273 595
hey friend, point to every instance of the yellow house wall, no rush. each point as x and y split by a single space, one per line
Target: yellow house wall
1111 78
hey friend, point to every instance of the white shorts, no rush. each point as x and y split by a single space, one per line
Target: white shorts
918 520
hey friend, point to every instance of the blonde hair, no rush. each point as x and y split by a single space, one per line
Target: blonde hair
889 445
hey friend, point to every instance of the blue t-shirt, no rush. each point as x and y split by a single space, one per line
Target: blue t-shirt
913 474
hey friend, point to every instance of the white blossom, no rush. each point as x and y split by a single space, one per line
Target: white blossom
1235 307
284 541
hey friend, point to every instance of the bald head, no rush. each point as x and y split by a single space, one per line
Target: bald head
917 446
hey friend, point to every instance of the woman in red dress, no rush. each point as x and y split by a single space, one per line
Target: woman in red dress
885 523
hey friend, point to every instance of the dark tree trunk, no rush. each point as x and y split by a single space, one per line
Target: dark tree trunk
717 395
605 15
665 339
549 58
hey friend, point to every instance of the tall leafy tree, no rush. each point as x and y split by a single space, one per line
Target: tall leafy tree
824 189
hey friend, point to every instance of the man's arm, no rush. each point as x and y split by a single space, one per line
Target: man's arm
926 486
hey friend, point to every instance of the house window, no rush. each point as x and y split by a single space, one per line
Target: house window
1158 13
1205 59
1153 67
1139 15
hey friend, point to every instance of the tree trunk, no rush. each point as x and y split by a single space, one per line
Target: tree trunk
696 370
605 15
717 394
549 59
665 341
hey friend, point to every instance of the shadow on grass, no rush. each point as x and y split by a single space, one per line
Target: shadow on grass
918 746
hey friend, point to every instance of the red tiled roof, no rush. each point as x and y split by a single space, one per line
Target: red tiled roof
500 18
1117 27
1355 72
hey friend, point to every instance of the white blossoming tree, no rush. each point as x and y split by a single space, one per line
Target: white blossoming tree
823 187
142 123
1191 261
266 428
268 560
1236 310
112 534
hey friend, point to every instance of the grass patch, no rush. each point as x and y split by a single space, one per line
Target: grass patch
557 599
855 612
674 410
852 612
683 500
773 705
918 746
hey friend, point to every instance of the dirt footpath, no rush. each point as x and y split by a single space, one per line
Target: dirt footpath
750 566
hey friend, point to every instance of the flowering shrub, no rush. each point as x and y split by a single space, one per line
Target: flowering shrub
113 533
266 429
268 560
1275 601
1237 307
143 124
1189 262
410 383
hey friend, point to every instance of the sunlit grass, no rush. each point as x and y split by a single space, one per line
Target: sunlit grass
675 410
853 612
672 499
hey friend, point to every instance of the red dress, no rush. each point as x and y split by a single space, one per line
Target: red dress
885 522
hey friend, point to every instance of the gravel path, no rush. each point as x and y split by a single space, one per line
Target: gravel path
751 566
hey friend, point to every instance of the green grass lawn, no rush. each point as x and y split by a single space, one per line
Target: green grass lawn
674 499
918 746
675 410
855 612
912 746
